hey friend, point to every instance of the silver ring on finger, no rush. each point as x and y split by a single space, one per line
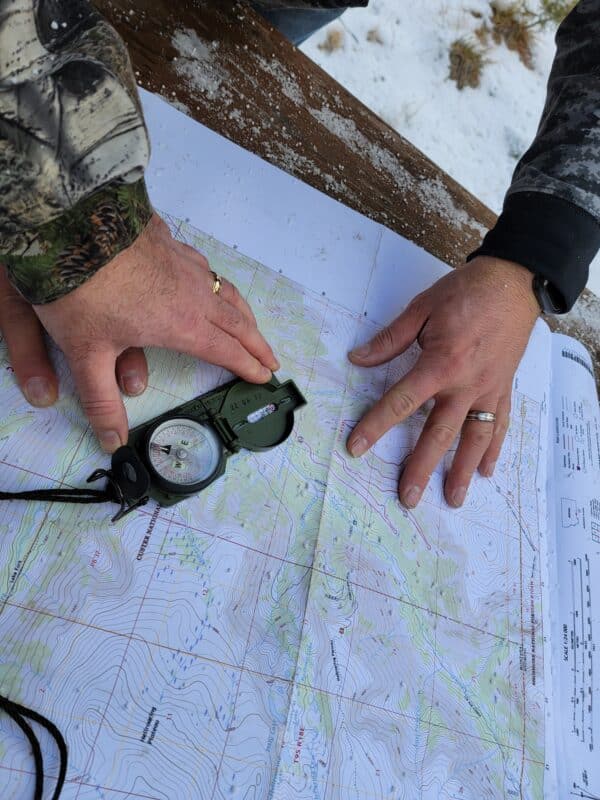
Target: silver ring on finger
480 416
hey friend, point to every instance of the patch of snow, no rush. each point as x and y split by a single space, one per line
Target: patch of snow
289 85
197 66
401 73
433 193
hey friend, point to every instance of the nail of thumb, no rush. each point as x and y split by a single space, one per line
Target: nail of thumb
109 441
362 351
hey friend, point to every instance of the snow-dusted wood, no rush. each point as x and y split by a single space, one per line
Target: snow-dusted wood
226 67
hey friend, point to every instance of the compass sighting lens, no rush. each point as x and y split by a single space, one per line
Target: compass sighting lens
183 453
261 413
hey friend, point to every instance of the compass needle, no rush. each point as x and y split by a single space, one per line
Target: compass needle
193 453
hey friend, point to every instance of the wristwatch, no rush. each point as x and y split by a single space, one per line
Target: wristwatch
549 298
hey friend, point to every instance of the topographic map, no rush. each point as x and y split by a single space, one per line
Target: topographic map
291 632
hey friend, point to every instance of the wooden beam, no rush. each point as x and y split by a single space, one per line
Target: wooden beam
228 68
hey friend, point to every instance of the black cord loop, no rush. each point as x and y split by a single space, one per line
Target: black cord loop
19 714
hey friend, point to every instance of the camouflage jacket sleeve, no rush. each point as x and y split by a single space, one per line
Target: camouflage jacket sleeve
550 222
73 146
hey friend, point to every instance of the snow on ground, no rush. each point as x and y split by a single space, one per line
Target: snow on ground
476 135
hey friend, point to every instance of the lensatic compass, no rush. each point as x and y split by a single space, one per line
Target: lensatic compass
182 451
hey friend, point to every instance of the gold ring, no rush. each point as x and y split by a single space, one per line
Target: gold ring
217 282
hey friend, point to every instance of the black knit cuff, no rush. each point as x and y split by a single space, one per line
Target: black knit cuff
548 235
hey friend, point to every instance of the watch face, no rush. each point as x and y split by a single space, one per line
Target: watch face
183 454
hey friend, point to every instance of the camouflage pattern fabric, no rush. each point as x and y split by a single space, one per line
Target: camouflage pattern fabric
564 159
73 145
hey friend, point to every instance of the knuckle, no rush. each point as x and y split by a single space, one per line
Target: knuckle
442 435
479 435
483 380
383 341
211 342
417 304
255 369
96 407
445 371
79 351
459 363
401 404
233 319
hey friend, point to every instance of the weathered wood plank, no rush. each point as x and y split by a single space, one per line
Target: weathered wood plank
225 66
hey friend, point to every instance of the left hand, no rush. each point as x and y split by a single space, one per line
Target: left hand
473 326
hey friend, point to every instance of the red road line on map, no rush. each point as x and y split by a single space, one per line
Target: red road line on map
264 675
92 785
323 572
31 472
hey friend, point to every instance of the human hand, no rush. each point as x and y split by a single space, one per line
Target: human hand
158 292
28 356
473 326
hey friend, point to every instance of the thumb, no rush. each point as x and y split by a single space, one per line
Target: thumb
395 338
101 399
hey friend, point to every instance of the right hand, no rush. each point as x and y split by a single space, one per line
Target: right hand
28 355
158 292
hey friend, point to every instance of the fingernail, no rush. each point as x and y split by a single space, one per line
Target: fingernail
133 384
361 352
489 470
358 446
38 392
411 497
109 441
458 496
275 365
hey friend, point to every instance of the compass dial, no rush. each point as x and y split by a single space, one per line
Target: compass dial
184 453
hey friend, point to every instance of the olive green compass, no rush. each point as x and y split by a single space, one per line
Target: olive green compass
182 451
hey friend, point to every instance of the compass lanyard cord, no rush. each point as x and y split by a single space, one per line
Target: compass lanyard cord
61 495
19 714
112 493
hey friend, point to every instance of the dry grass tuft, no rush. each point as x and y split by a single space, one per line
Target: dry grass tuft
512 24
508 22
556 10
466 63
334 41
375 36
482 34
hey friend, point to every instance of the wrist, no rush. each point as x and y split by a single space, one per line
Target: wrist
552 237
512 281
66 252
